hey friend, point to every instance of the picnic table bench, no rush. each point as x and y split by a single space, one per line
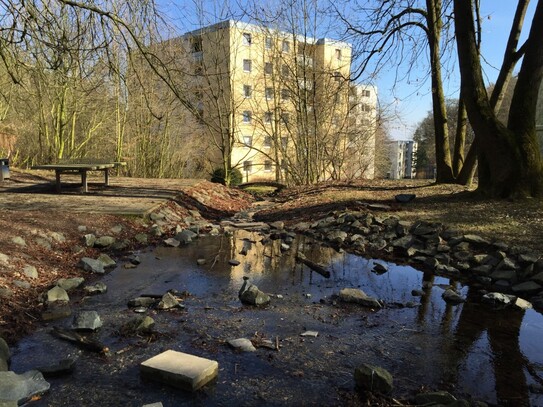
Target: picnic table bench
81 167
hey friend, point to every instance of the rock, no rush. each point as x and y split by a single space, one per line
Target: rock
91 265
279 225
527 288
43 242
87 321
233 262
116 229
201 262
538 278
404 198
19 241
90 239
452 297
417 293
379 268
285 247
4 259
157 404
185 236
62 367
19 388
56 310
179 369
134 259
354 295
57 294
98 288
107 261
69 284
438 397
310 334
141 302
507 275
498 299
22 284
81 228
138 325
336 236
57 237
507 264
379 207
104 241
141 238
168 301
172 242
523 304
476 239
30 272
373 379
251 295
242 344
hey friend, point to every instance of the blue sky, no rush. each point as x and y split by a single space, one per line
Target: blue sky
406 103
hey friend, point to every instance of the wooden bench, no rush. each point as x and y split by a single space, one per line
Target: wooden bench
80 167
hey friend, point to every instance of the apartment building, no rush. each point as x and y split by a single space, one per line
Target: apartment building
279 106
403 159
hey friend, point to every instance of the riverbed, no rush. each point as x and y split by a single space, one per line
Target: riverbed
471 350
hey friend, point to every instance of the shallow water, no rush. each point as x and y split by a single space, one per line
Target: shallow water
469 350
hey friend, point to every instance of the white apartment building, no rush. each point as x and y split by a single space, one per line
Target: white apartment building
403 155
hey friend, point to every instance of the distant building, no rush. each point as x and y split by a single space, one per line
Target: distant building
403 159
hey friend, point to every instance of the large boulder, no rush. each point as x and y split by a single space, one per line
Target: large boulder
251 295
19 388
91 265
87 320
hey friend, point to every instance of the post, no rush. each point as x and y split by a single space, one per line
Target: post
84 181
57 177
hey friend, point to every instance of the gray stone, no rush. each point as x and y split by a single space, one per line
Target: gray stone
242 344
507 264
168 301
57 237
523 304
141 238
90 239
142 302
19 241
57 294
201 262
185 236
104 241
87 321
357 296
528 258
507 275
92 265
107 261
81 228
379 268
279 225
179 369
373 379
134 259
483 270
476 239
404 198
538 278
309 334
418 293
61 367
140 324
172 242
120 244
98 288
251 295
56 310
233 262
156 230
22 284
30 272
498 299
43 242
452 297
336 236
527 288
20 388
437 397
157 404
117 229
69 284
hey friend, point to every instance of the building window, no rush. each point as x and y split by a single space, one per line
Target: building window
247 166
338 54
269 93
285 94
285 71
247 40
196 45
268 117
366 107
247 116
247 65
285 117
247 91
286 46
267 166
268 68
268 42
267 142
366 93
248 141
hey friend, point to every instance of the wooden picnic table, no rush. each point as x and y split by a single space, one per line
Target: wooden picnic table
81 168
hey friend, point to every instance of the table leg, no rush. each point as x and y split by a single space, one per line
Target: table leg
57 177
84 181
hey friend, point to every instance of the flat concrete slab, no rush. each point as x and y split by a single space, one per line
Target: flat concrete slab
180 369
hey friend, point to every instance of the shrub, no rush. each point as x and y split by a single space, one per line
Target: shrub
236 177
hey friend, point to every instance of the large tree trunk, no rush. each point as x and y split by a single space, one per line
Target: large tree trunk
509 160
443 154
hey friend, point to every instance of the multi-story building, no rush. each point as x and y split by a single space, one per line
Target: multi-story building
274 104
403 159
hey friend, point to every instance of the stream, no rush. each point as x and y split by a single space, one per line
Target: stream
471 350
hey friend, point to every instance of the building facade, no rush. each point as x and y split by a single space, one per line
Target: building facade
403 159
279 106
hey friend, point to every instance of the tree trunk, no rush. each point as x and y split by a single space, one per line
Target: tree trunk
509 160
460 139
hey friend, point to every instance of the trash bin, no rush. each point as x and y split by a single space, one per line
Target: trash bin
4 169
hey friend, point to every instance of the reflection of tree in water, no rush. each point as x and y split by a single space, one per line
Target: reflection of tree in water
502 329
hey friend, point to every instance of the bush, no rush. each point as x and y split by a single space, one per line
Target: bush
235 177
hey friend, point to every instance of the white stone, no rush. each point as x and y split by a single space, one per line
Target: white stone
242 344
180 369
311 334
